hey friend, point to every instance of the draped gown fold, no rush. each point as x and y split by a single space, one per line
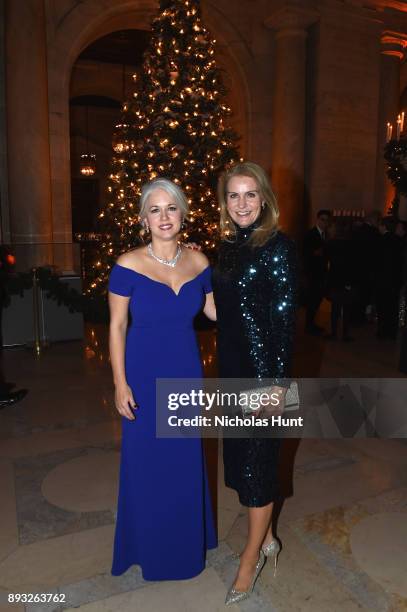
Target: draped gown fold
164 517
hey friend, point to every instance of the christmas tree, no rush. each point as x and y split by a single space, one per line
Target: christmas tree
175 126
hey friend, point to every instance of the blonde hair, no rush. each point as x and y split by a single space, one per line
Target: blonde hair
170 188
269 215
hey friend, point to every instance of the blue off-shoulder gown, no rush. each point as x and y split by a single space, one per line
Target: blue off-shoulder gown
164 517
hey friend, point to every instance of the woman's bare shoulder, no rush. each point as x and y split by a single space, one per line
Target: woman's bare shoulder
198 259
132 259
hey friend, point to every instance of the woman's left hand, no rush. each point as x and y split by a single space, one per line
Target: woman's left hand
277 402
193 246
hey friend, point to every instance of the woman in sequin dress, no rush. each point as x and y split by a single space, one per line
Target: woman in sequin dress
255 290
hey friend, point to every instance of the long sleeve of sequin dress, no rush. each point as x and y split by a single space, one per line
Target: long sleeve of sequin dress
255 292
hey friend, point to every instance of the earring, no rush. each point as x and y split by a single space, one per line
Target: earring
263 204
183 225
147 227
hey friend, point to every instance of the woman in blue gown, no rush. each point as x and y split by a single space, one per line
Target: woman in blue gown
164 518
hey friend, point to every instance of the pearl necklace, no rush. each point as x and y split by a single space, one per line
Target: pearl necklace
167 262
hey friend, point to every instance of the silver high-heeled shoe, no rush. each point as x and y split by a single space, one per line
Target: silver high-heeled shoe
234 596
271 551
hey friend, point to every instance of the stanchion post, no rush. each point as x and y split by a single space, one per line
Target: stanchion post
36 312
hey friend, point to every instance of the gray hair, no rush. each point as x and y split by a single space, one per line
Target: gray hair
166 185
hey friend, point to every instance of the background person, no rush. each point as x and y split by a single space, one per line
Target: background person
388 280
8 395
341 281
365 237
315 270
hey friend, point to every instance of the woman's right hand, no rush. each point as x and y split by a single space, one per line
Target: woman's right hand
124 399
193 246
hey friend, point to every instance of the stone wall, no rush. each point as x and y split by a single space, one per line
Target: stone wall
312 84
345 111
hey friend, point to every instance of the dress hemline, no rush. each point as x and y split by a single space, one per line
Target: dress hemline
187 576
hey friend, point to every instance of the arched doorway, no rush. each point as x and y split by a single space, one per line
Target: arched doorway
101 80
84 24
92 119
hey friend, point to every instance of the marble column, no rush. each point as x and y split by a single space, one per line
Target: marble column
29 179
391 55
4 209
288 128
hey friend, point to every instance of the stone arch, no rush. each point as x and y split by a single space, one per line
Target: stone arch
84 23
236 58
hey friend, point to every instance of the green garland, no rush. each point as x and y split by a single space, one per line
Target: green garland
395 153
93 308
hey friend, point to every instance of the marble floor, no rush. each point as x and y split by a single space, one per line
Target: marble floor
343 524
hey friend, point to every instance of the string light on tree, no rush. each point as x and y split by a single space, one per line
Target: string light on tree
176 124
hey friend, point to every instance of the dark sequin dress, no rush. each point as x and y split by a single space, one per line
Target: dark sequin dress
255 292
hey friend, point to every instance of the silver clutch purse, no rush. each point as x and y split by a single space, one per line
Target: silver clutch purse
292 398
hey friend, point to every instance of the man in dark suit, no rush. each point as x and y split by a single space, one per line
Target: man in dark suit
340 285
403 313
8 397
388 280
315 269
365 238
